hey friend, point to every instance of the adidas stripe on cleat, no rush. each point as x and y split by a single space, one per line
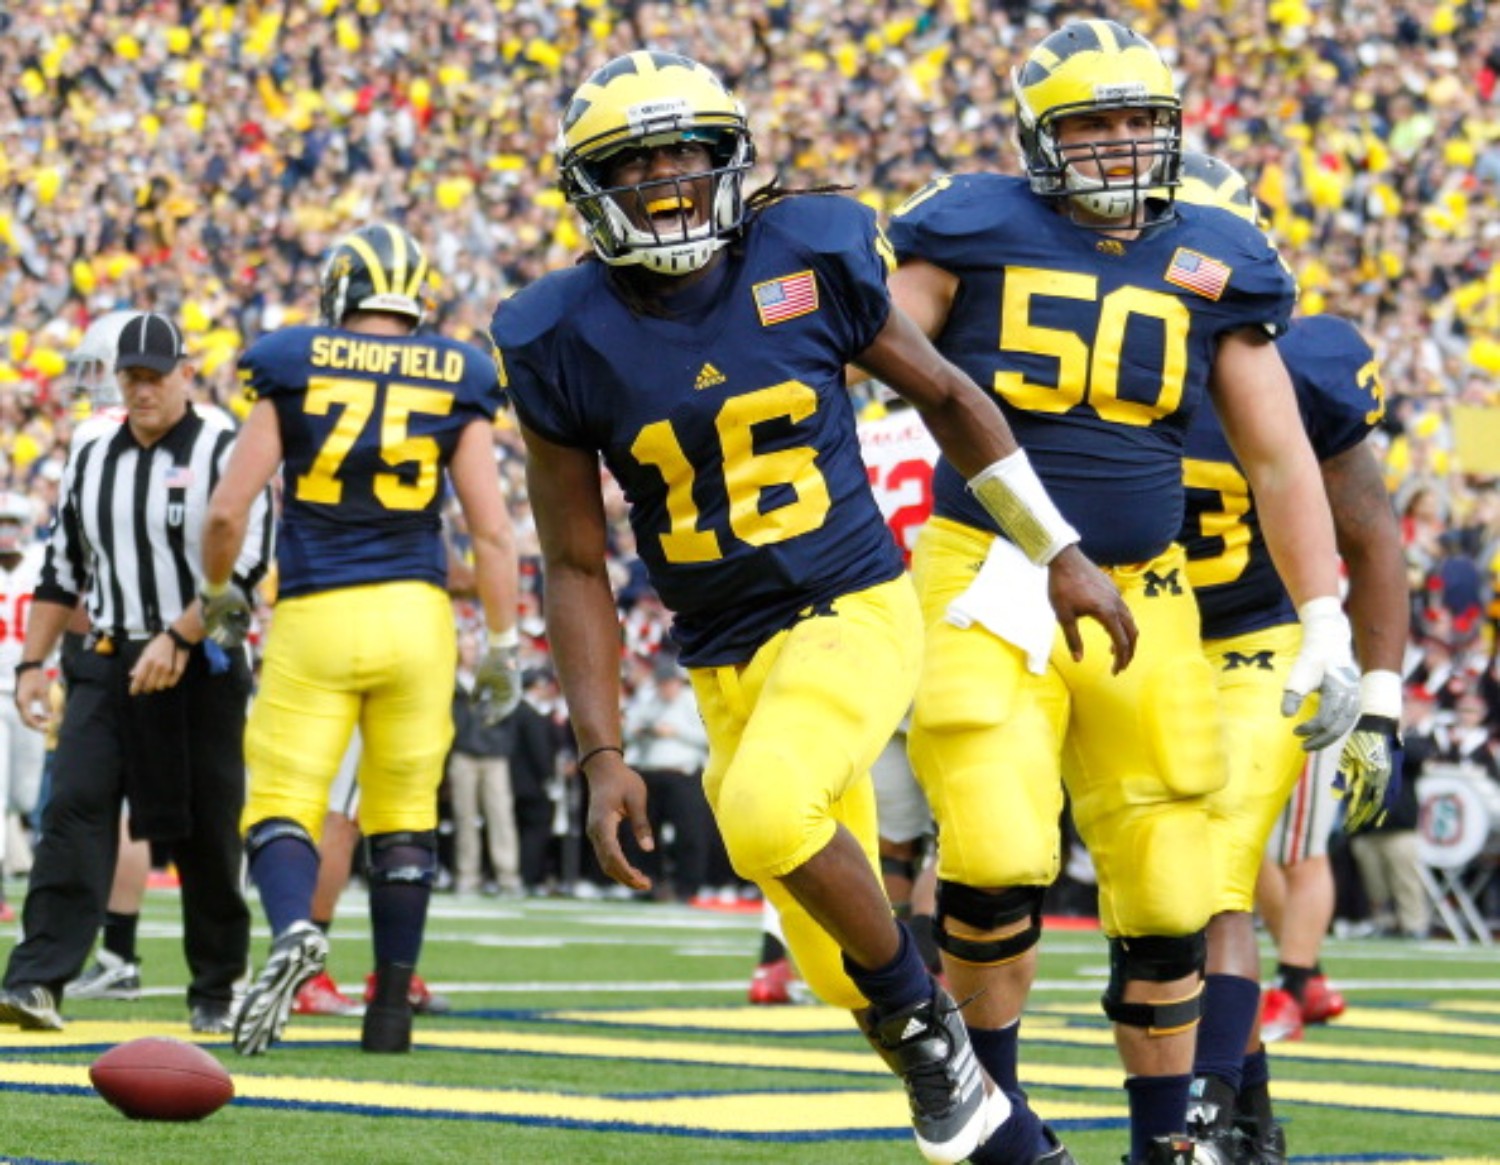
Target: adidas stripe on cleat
297 955
928 1046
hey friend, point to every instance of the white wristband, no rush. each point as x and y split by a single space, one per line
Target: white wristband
214 590
1380 694
1014 496
1325 631
510 637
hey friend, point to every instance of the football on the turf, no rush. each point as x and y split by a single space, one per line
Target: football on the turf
155 1078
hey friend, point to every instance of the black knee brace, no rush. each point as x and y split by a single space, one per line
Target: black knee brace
386 868
263 833
1155 959
985 911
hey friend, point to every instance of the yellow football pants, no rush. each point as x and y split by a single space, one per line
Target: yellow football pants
992 744
383 657
792 735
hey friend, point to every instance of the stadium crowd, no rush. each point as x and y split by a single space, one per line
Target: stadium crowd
199 158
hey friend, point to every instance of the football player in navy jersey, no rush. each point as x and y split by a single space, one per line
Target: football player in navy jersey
365 418
1251 636
701 352
1102 316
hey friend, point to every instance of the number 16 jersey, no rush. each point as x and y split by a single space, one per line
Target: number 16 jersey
725 419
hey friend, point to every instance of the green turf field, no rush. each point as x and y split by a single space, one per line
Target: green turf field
615 1032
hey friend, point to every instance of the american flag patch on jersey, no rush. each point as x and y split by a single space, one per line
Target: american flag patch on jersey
786 298
178 477
1208 277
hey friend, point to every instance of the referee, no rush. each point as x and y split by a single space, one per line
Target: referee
153 715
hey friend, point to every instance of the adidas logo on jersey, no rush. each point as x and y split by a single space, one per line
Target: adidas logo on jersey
708 376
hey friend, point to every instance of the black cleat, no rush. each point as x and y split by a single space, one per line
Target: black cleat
32 1006
1179 1149
1260 1146
927 1046
386 1029
1210 1117
297 955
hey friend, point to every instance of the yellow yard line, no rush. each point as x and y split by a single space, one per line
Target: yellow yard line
781 1115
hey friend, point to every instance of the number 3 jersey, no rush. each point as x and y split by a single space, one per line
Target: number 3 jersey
1098 349
725 419
1341 400
368 425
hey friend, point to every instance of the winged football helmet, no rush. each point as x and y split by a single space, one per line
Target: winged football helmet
89 369
1209 181
642 100
1087 67
376 268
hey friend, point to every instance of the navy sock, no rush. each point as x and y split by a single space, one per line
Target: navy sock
400 891
1158 1108
901 983
1256 1071
1229 1009
1254 1099
998 1051
392 985
1020 1137
285 871
119 934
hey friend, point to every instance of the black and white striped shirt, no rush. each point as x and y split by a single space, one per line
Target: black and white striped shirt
129 528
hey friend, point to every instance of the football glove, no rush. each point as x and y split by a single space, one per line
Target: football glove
497 683
1325 665
1369 778
226 616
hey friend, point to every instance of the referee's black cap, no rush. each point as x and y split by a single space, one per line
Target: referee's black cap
150 340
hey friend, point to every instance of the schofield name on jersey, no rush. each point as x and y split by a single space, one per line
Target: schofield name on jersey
348 354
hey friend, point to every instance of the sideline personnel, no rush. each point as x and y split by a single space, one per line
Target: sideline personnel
152 715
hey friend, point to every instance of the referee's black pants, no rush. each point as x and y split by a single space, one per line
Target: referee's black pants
73 867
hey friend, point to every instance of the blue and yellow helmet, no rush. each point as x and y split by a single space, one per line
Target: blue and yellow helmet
1083 68
376 268
1209 181
642 100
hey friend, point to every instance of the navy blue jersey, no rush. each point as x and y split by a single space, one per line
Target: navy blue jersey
727 425
1098 349
368 426
1341 400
